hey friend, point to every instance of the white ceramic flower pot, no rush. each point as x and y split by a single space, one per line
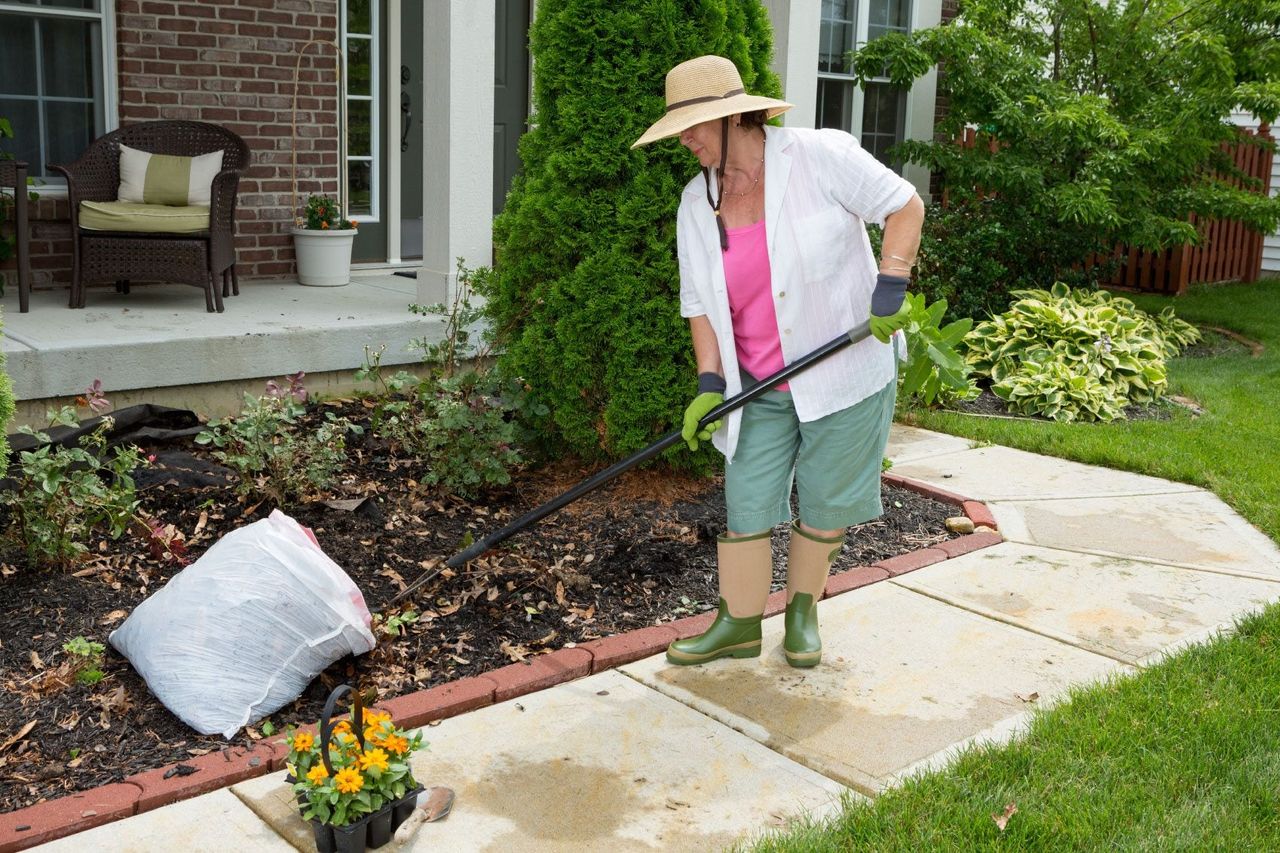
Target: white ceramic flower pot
324 257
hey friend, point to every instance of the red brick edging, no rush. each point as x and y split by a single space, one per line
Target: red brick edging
149 790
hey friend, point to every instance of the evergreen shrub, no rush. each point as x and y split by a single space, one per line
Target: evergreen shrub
585 289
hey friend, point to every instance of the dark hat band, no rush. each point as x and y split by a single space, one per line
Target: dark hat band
678 104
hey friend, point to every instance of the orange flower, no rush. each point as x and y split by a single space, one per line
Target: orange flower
374 758
342 726
397 744
317 774
348 780
373 735
324 225
303 741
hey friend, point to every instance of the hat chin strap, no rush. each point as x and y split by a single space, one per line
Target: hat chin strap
706 174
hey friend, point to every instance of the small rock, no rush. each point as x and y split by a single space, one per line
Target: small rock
960 524
982 528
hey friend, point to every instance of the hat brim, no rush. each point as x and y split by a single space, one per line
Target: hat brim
679 120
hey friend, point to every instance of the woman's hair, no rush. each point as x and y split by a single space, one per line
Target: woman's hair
755 118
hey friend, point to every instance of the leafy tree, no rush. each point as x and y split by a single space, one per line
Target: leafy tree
1100 121
586 285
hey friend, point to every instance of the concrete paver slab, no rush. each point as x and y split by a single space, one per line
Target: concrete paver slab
212 823
907 444
1190 529
1126 609
903 677
1002 473
602 763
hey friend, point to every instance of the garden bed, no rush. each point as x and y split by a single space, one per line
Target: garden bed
638 552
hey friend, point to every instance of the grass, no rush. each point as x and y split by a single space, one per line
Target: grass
1233 449
1186 753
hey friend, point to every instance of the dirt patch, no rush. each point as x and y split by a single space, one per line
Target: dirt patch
638 552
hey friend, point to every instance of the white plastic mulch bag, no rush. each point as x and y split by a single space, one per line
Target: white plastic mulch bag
244 629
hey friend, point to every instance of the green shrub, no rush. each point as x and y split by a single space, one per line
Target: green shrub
7 405
63 496
461 421
1075 355
586 282
934 371
275 458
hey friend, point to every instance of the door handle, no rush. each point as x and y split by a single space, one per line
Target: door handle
406 120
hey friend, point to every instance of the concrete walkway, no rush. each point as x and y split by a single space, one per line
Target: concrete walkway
1101 573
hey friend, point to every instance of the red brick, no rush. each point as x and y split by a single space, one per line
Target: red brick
926 489
67 815
539 673
979 514
437 703
972 542
620 649
904 563
777 603
213 771
854 578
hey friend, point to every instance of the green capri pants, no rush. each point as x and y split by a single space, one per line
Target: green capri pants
833 461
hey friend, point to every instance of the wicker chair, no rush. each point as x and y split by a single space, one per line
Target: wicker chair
13 175
190 258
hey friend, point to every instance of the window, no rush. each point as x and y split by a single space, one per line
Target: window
53 61
876 114
361 49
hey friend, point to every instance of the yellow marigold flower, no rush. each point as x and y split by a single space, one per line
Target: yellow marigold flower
342 726
317 774
373 735
374 758
348 781
397 744
303 741
372 718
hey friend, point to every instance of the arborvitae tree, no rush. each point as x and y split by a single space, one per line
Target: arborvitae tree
585 290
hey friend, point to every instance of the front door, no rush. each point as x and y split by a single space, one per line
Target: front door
510 93
363 33
409 131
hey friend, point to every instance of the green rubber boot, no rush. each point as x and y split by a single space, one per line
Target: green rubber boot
746 567
808 565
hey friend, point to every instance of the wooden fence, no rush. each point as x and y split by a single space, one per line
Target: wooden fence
1228 251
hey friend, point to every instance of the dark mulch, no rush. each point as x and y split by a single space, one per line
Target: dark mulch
638 552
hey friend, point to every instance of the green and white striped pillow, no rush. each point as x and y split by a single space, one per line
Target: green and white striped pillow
166 179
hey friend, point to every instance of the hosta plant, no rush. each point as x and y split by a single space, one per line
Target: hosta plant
1076 355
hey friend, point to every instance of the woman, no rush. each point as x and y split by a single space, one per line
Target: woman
775 262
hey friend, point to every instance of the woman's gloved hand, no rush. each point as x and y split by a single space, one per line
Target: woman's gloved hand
889 309
710 394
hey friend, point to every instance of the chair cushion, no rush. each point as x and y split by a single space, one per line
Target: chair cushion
149 178
151 218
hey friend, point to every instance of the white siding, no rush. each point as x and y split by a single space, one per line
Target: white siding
1271 245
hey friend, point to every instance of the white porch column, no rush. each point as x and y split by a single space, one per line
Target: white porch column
922 103
457 192
796 27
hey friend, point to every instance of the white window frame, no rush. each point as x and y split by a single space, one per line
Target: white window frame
107 106
861 25
374 98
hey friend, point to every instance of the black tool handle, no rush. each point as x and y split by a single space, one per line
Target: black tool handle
533 516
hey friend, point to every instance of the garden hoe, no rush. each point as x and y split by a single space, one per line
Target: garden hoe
463 557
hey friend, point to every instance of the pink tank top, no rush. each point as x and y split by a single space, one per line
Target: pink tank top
755 323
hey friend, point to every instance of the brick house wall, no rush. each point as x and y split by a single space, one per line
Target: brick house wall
229 62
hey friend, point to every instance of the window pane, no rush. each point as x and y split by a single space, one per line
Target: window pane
17 55
359 129
25 145
360 66
888 16
883 120
359 188
87 5
67 49
835 104
69 129
359 17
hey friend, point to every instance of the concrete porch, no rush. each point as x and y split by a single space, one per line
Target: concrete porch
157 344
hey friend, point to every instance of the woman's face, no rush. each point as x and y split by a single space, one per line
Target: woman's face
704 141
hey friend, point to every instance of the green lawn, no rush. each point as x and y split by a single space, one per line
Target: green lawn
1184 755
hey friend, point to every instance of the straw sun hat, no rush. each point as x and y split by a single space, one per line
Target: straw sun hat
702 89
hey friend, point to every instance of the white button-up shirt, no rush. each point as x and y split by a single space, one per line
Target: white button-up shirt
820 186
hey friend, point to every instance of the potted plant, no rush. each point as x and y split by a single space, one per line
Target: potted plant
353 782
322 241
